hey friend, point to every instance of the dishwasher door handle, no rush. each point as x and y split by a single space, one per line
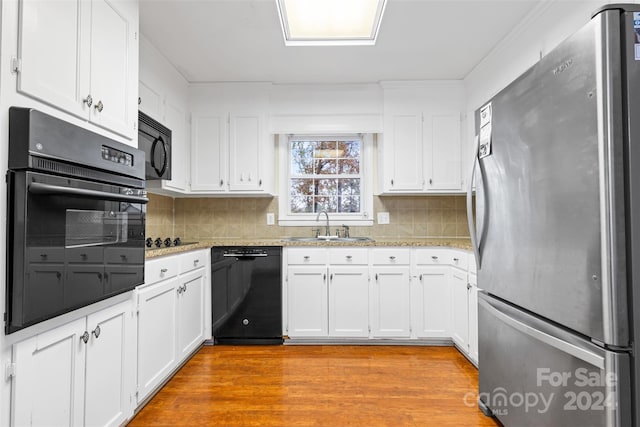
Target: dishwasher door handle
232 255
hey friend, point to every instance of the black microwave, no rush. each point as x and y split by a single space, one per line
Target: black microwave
155 140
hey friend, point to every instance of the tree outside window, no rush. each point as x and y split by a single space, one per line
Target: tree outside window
325 175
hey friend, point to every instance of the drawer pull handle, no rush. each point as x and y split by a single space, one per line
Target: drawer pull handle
434 257
307 257
392 258
349 257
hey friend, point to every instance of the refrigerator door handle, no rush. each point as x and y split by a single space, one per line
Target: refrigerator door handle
564 346
472 227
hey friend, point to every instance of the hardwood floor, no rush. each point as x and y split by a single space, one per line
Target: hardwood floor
319 386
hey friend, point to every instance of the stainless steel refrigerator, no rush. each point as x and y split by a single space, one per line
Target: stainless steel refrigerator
557 233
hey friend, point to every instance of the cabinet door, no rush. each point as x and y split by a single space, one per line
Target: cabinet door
245 152
432 302
349 301
403 153
51 51
109 366
176 117
209 153
473 318
157 330
443 153
114 58
307 301
150 101
48 390
391 302
190 312
460 309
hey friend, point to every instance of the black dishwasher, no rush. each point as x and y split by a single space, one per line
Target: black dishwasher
246 295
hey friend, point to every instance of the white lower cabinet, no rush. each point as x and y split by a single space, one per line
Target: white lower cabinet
77 374
431 314
307 301
391 302
190 311
157 330
473 318
349 301
171 316
460 309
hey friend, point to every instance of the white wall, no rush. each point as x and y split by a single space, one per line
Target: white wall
542 30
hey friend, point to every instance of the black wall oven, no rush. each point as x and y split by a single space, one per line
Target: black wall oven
75 220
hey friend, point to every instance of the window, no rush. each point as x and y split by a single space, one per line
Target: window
325 173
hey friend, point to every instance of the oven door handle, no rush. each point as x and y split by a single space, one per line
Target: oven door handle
40 188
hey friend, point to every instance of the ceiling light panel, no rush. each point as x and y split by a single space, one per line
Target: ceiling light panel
330 22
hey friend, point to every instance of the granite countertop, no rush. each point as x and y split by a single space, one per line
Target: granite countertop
458 243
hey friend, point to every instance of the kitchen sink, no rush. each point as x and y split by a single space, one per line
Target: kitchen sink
328 239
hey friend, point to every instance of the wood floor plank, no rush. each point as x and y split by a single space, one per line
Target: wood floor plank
318 386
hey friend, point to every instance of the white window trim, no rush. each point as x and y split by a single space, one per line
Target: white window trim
335 219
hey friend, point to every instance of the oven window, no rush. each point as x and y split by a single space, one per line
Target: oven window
93 228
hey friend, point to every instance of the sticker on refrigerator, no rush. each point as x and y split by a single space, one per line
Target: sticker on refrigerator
636 34
484 148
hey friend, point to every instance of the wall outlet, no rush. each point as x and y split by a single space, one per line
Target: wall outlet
271 218
383 217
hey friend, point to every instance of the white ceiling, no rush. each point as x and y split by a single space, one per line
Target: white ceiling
241 40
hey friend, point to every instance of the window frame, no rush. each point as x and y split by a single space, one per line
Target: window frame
362 218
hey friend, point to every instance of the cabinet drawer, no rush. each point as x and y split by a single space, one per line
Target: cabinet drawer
348 256
442 257
159 269
394 256
307 256
192 260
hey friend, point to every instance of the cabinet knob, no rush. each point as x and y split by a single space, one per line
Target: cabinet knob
468 285
88 100
307 257
99 106
195 262
164 270
435 258
392 258
456 259
184 288
391 182
96 332
260 182
420 278
84 337
349 257
430 181
221 182
331 277
179 290
139 100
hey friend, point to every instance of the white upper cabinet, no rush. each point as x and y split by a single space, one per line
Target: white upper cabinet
162 95
419 151
82 58
232 152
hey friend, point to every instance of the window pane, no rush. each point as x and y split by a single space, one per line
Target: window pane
326 167
349 149
301 204
349 187
329 204
327 187
349 204
325 150
301 157
349 166
302 187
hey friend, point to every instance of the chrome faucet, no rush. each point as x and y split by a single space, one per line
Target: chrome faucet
327 229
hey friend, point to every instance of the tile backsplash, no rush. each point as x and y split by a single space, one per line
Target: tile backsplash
212 218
